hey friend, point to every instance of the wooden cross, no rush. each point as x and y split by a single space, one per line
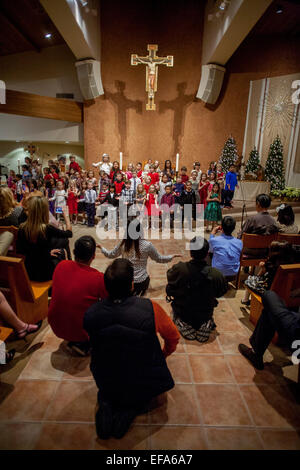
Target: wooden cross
152 61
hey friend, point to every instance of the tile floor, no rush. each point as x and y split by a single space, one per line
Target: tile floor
48 398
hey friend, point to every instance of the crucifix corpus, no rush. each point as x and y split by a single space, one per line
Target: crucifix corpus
152 61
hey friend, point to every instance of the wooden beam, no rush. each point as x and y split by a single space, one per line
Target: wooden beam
27 104
19 30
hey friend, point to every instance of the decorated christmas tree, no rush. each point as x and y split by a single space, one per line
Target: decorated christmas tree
253 162
274 171
229 154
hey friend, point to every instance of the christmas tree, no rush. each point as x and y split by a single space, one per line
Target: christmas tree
253 162
274 172
229 154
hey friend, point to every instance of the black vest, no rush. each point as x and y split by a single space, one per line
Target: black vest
126 359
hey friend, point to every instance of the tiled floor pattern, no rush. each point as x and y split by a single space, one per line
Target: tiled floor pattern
48 398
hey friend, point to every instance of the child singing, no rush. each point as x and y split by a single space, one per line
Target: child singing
213 212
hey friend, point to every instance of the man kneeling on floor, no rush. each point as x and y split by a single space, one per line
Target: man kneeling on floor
193 288
127 362
75 287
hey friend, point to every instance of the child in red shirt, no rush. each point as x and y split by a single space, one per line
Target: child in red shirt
153 175
139 170
147 183
73 164
119 183
53 172
184 176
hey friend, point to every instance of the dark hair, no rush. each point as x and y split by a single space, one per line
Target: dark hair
132 236
183 168
286 215
84 248
201 253
25 166
170 167
279 253
112 186
263 200
228 224
19 176
34 184
118 279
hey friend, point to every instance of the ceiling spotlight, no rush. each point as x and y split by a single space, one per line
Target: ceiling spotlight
48 35
67 142
222 6
279 9
84 3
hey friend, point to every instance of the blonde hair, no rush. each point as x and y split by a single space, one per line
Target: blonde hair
38 218
7 202
143 192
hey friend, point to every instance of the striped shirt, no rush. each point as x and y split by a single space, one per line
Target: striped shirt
147 250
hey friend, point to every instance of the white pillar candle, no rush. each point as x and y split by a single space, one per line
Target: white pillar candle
177 161
121 160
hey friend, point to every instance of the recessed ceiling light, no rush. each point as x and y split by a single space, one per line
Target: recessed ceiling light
67 142
48 35
222 6
279 9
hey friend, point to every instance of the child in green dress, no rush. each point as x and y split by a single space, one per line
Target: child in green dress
213 212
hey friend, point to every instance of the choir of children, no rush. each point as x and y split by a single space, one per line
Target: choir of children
148 187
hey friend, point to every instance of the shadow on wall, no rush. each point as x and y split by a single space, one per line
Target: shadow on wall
121 105
179 105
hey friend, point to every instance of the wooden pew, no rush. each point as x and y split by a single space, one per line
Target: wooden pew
286 281
254 242
28 299
293 239
14 231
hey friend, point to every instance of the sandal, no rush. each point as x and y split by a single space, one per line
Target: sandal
25 332
186 331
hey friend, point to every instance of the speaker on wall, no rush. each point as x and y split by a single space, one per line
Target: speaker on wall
211 83
89 76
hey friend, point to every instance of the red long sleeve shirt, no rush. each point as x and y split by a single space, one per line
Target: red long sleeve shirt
166 328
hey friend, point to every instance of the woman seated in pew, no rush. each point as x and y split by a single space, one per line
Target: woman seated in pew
286 219
279 253
8 316
35 240
10 212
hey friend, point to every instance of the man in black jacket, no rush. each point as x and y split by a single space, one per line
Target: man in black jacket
193 288
127 362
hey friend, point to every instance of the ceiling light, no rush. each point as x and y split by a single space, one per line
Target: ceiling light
48 35
222 6
67 142
279 9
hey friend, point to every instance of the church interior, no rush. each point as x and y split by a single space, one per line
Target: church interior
90 89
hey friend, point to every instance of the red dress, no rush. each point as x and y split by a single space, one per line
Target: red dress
203 194
72 203
151 208
146 187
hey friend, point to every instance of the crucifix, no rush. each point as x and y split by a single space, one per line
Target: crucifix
152 61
